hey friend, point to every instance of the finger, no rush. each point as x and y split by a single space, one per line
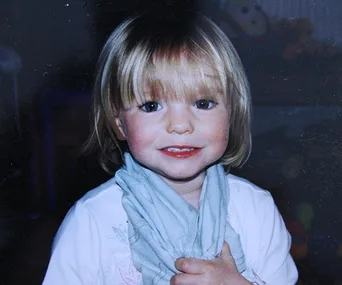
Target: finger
191 265
186 279
226 254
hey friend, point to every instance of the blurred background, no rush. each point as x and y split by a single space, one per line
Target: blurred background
292 53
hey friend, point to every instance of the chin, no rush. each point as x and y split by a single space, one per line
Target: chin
182 176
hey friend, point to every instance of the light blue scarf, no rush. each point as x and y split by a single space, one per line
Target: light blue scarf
162 226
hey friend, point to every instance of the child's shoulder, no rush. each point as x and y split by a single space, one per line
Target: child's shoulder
241 184
249 207
244 193
107 190
104 200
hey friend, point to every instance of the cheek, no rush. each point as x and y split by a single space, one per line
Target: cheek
220 139
220 131
137 136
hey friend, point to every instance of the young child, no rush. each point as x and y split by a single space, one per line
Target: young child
174 91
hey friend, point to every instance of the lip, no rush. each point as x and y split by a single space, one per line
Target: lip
184 151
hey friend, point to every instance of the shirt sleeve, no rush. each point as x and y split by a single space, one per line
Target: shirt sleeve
274 265
75 253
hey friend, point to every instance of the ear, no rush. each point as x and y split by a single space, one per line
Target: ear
119 129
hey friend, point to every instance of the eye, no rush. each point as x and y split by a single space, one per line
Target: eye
244 10
205 104
149 107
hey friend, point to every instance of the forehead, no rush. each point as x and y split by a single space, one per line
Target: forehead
181 78
184 69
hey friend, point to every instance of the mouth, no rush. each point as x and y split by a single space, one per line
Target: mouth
180 151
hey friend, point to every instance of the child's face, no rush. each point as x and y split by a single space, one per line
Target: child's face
177 138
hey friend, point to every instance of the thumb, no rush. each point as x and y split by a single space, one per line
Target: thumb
226 254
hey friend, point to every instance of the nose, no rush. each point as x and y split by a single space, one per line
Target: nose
179 120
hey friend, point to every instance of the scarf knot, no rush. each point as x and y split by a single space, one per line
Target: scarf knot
162 226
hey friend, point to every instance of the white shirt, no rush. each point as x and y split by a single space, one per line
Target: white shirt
91 246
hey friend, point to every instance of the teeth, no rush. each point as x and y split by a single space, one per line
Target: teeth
174 149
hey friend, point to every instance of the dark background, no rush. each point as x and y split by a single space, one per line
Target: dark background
294 67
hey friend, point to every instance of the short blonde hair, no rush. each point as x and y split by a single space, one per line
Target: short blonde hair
139 49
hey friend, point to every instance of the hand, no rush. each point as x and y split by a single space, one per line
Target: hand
219 271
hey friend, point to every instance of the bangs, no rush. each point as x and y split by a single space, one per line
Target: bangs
174 74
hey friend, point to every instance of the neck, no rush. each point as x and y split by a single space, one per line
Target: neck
188 190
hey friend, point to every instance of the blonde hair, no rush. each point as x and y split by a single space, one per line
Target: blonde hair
143 46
